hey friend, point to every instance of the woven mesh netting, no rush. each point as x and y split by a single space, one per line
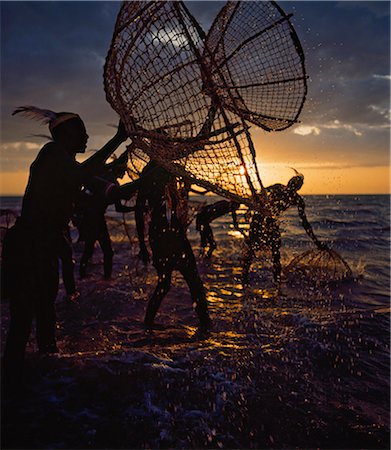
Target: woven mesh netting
257 63
152 75
224 179
322 265
179 100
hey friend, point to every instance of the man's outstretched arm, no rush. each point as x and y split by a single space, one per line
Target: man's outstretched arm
307 226
95 163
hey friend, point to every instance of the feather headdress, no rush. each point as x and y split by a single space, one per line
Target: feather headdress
297 173
45 116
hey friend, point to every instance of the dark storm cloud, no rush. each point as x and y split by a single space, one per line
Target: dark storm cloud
53 55
347 47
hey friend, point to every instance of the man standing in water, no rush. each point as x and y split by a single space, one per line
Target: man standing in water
90 212
171 250
265 230
31 248
169 244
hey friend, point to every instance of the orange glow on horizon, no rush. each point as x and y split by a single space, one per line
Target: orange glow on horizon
13 183
331 180
317 180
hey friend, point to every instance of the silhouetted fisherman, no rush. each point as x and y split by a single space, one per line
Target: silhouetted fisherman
170 247
90 210
32 247
208 214
167 229
265 230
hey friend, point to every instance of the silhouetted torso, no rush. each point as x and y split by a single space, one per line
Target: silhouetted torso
91 207
53 185
281 198
166 233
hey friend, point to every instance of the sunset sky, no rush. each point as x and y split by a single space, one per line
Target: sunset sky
52 56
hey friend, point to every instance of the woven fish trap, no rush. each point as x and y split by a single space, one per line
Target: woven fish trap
321 265
152 77
178 98
214 164
256 63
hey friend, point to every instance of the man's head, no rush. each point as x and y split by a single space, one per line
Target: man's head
68 129
296 182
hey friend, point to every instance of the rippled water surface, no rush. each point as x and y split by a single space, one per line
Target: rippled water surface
307 368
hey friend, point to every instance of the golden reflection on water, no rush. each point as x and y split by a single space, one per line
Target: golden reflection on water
223 344
237 271
235 233
266 293
190 331
225 340
226 292
224 301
